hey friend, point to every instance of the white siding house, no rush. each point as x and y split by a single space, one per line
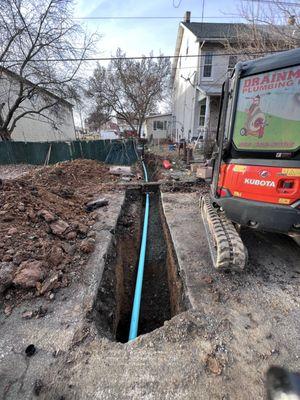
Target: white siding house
56 123
197 81
158 126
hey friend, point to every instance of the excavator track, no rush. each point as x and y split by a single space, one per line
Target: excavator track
226 247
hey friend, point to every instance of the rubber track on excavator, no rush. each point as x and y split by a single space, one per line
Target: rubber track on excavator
226 247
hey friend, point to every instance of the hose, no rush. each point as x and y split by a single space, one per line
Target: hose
134 324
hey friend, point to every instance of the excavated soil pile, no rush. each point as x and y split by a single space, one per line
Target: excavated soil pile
46 229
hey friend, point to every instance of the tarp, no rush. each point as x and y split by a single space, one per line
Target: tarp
118 152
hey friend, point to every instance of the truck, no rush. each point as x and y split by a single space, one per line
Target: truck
256 159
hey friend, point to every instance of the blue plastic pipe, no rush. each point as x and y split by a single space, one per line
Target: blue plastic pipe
134 324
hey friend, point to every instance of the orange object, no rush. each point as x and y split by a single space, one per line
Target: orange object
261 183
166 164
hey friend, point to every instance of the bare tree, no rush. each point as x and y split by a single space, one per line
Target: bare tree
130 88
100 115
39 42
271 26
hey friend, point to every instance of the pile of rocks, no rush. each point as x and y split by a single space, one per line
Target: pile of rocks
46 228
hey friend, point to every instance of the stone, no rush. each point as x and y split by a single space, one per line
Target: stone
87 245
21 207
12 231
213 365
29 273
8 310
71 235
59 227
92 205
27 314
48 284
56 255
91 234
69 248
83 229
31 215
47 215
80 334
7 270
7 257
121 170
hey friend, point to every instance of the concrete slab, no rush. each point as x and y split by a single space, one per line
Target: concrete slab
194 261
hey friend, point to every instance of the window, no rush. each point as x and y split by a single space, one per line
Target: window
202 115
158 125
207 68
165 125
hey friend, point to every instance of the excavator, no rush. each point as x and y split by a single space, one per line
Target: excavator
256 159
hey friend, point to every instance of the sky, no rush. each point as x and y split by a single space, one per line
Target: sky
139 37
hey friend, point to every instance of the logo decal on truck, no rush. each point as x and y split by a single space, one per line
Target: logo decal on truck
264 174
258 182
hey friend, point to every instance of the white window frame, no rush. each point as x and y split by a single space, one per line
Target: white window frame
156 124
202 112
207 63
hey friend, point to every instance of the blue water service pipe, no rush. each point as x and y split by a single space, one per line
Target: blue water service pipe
134 324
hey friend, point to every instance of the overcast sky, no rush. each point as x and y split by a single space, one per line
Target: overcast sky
139 37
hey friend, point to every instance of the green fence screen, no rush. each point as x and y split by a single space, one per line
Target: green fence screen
118 152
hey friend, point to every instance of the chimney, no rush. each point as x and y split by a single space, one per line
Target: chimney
291 20
187 17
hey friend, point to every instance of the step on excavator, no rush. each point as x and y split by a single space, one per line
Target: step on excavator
256 159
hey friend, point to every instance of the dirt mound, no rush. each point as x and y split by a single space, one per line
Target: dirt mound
46 229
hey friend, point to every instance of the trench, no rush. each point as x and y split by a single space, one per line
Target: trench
162 295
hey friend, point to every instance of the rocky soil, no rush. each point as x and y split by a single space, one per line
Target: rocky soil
46 227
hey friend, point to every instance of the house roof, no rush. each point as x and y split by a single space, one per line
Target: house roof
29 83
210 90
221 32
230 31
158 115
211 30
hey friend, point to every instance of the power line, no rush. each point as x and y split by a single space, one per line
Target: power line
145 57
156 17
